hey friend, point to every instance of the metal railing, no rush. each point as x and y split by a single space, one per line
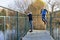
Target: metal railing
9 25
54 28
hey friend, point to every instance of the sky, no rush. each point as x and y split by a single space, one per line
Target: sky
14 4
19 5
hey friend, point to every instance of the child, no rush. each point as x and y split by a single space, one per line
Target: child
30 20
44 11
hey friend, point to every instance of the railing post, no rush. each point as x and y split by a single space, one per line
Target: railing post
4 25
17 25
51 29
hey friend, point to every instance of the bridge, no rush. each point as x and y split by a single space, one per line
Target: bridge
20 24
22 30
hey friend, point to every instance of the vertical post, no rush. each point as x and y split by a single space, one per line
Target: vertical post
17 25
50 24
51 28
4 25
47 28
25 25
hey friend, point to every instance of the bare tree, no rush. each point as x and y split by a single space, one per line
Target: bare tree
54 5
23 4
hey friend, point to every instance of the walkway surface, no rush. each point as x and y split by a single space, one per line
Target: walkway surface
38 35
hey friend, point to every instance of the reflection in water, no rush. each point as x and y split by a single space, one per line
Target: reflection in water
57 33
10 34
1 35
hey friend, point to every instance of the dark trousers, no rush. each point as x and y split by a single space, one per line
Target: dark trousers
31 25
44 18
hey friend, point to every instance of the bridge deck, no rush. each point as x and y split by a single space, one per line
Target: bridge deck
38 35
